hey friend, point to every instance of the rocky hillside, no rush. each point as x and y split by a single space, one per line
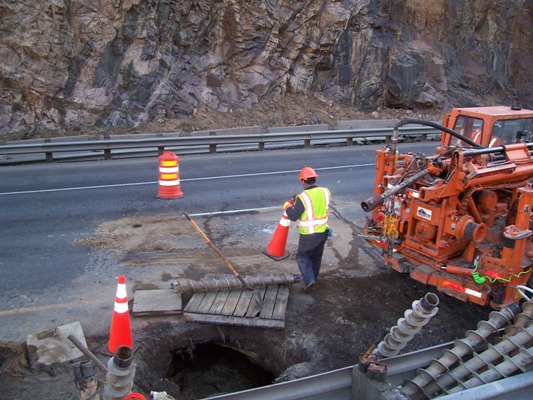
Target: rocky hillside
69 64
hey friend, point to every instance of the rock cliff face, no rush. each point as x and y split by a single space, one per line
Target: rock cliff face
69 63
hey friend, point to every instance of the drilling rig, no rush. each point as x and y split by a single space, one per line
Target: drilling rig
460 220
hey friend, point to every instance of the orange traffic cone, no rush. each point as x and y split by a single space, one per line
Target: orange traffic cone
120 334
276 247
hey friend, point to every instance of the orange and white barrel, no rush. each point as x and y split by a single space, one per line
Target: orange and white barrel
169 176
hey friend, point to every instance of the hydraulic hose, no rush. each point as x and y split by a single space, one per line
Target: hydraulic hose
435 125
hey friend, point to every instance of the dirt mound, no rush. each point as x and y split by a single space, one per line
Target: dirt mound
291 110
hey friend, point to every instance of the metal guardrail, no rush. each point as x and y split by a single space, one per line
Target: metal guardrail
338 384
10 153
349 383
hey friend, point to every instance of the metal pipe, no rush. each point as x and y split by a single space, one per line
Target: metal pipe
255 293
101 366
408 327
121 371
492 150
414 388
377 200
230 282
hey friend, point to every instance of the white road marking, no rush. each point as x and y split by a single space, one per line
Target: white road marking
182 180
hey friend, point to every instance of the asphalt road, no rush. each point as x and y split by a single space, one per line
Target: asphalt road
45 208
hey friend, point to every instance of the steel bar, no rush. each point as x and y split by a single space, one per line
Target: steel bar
257 297
332 385
101 366
231 282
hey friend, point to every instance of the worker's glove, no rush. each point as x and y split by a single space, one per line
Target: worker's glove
288 204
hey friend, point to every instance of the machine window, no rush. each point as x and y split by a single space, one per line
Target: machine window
470 127
507 131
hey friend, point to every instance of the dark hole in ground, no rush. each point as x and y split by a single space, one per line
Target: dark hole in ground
212 368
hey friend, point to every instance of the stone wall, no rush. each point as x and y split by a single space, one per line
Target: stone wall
68 63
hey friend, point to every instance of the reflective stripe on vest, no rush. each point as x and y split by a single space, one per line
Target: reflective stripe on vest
315 217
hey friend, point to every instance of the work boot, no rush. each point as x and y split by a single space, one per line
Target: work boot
309 286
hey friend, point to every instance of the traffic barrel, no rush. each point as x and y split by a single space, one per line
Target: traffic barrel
169 176
120 333
278 243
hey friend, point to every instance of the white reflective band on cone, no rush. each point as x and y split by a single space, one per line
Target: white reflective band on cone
285 222
121 292
121 307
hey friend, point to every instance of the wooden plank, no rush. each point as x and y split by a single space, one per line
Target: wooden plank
195 302
238 307
156 302
207 301
53 346
231 302
254 309
280 308
218 302
269 300
232 320
243 304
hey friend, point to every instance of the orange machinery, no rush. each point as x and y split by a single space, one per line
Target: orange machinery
460 220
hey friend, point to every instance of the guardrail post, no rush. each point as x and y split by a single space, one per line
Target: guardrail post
307 143
424 137
49 156
213 146
160 150
349 141
107 152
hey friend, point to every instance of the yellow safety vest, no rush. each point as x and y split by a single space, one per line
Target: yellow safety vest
315 217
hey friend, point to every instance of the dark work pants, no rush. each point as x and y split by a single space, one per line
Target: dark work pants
309 255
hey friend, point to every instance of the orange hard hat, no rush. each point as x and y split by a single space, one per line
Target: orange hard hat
307 172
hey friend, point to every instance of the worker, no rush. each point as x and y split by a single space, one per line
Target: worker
311 208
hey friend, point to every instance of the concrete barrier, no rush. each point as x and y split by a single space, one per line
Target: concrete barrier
299 128
245 130
366 123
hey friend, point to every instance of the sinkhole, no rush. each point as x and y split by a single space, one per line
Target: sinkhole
206 369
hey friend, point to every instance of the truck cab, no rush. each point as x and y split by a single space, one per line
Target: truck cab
489 126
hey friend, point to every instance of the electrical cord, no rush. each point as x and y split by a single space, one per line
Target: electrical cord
479 279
